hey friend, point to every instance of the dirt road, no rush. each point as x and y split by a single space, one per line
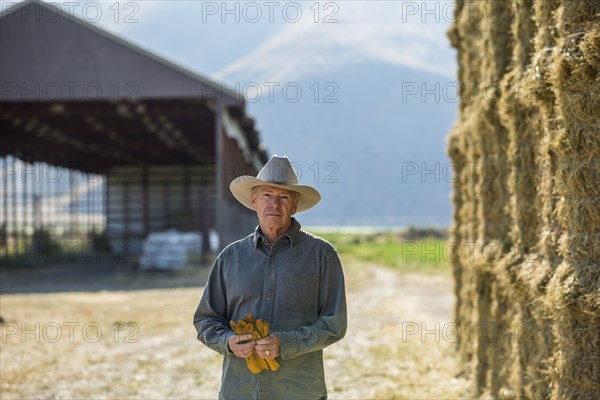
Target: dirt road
399 342
141 343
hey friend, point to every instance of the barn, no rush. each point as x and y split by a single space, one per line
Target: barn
100 137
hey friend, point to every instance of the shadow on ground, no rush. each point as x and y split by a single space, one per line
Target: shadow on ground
95 277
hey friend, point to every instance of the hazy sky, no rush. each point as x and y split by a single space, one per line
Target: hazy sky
275 40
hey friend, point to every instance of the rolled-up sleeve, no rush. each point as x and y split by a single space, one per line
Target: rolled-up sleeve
331 325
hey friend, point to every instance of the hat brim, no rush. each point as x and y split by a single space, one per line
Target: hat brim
241 188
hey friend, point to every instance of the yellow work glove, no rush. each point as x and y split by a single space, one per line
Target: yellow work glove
258 329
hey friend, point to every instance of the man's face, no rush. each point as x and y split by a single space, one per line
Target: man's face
274 206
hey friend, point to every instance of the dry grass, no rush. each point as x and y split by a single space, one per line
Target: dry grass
151 356
163 359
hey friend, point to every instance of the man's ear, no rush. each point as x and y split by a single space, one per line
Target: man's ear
253 200
295 208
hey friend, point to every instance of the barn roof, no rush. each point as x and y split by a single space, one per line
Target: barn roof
74 95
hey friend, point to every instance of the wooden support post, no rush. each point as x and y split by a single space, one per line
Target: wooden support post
205 220
145 206
218 184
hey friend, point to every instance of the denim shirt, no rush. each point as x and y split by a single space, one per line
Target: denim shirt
297 284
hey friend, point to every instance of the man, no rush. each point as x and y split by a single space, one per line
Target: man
280 274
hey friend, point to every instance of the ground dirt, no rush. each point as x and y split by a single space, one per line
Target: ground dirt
140 343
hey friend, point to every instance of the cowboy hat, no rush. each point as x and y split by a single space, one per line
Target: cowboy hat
277 172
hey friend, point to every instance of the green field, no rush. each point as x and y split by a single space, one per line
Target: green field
392 249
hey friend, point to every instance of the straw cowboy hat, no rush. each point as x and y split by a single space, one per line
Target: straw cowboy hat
277 172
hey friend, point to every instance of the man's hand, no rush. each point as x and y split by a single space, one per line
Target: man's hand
241 345
268 347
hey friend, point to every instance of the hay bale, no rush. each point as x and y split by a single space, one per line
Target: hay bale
539 126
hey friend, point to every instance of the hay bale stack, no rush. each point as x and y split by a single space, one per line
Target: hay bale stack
526 150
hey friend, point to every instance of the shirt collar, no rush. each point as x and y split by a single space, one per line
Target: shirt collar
291 234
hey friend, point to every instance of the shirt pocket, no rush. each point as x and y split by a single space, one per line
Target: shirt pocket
300 292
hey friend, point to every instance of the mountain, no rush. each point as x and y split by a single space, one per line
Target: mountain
379 148
379 151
